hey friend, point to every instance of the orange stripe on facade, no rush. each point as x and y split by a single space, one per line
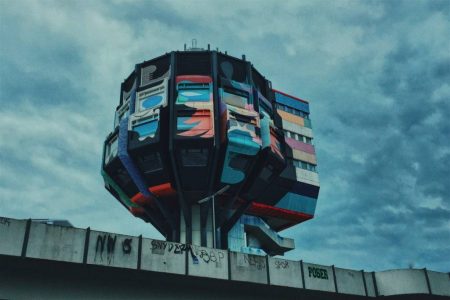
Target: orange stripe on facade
162 190
265 210
140 199
291 118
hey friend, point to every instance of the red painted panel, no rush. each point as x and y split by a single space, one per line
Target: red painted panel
162 190
194 78
140 199
308 148
276 212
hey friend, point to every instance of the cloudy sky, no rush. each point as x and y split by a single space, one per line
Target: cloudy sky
376 73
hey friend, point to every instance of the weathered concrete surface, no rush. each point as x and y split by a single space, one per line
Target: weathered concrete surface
349 281
50 245
56 243
439 283
162 256
318 277
12 233
43 279
369 284
113 250
285 272
395 282
207 262
248 267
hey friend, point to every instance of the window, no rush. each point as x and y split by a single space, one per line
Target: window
293 111
111 150
150 163
194 157
122 113
298 137
239 161
304 165
235 99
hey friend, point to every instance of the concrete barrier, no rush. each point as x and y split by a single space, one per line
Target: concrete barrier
112 250
207 262
248 267
162 256
400 282
285 272
12 233
318 277
56 243
370 285
439 283
68 244
349 281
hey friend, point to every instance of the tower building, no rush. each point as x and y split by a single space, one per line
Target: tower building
208 152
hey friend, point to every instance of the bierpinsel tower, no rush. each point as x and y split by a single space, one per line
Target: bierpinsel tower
208 152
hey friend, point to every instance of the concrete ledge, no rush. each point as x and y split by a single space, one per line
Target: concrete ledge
56 243
285 272
248 267
12 233
42 244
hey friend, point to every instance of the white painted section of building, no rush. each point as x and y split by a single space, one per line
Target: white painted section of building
207 262
307 176
56 243
285 272
305 131
12 233
395 282
248 267
162 256
318 277
113 250
350 281
439 283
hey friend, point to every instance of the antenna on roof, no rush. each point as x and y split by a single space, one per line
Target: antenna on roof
194 46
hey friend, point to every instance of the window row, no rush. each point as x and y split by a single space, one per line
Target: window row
292 111
304 165
298 137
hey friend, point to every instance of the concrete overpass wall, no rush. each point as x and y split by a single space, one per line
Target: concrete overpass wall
27 243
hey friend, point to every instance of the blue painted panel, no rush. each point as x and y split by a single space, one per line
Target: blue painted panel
126 159
283 99
298 203
194 95
152 101
146 129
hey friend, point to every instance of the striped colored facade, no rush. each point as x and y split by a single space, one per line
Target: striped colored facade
205 150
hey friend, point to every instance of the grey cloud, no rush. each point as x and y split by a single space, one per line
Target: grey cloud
374 71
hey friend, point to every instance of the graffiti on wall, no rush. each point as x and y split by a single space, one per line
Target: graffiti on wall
197 254
252 261
317 273
281 264
105 247
5 221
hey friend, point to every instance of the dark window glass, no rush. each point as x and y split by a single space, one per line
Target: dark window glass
194 157
150 163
